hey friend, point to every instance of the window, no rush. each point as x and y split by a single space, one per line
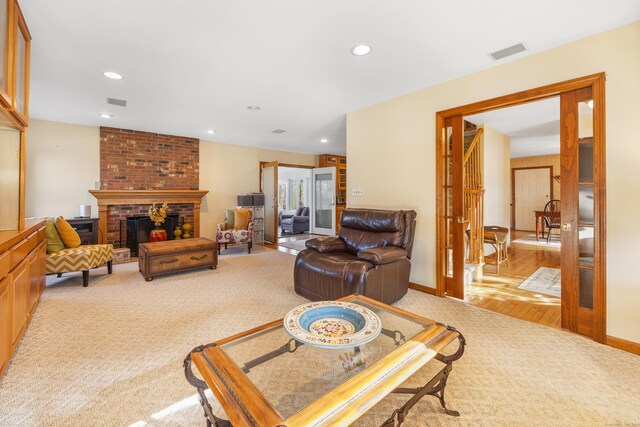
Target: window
296 193
282 196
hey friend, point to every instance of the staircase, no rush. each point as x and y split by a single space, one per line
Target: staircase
474 194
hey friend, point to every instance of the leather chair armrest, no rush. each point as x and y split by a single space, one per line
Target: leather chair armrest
299 219
327 244
382 255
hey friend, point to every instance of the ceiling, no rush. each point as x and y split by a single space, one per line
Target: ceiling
196 65
533 128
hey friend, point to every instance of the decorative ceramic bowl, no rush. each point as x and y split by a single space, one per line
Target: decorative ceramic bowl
332 324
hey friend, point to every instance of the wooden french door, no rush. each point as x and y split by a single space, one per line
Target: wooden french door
452 189
583 201
269 186
582 140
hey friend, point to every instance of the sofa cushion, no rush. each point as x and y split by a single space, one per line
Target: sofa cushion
230 218
380 256
370 228
68 235
54 242
326 244
81 258
242 219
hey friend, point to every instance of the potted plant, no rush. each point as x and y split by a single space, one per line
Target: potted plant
158 215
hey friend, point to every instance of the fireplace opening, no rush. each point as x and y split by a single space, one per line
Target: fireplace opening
137 228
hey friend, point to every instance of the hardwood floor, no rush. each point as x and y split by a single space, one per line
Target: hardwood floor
500 293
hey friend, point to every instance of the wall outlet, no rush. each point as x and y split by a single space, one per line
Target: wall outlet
357 192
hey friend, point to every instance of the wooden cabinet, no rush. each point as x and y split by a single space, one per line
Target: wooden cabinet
340 163
20 299
22 279
15 50
5 322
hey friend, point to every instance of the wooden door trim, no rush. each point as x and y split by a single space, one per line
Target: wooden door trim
596 82
275 195
513 189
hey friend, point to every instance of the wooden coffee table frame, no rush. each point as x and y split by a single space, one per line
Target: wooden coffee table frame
245 405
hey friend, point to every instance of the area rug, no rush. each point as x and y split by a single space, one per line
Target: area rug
295 242
544 280
530 239
111 354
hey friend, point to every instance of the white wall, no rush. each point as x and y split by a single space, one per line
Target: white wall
497 181
63 164
399 136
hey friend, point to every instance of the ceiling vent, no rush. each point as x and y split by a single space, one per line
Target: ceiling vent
278 131
511 50
118 102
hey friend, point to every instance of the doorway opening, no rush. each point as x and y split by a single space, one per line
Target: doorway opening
518 272
578 216
299 204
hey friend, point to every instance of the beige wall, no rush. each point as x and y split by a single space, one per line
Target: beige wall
497 180
63 164
398 136
551 160
228 170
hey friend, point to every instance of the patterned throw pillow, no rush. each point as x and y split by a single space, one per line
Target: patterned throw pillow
242 219
54 242
230 218
67 233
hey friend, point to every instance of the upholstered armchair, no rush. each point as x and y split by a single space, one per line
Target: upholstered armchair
227 234
296 223
371 257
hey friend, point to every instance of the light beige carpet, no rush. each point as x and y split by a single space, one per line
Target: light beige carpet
111 354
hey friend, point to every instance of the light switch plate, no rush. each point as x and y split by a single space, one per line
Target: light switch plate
357 192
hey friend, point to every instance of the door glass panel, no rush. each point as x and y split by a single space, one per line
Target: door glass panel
585 119
9 179
21 55
585 161
324 199
448 199
449 248
585 204
585 243
586 288
3 45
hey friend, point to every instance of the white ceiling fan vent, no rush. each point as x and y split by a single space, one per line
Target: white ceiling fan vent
511 50
278 131
118 102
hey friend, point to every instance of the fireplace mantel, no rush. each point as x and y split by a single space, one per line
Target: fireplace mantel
108 198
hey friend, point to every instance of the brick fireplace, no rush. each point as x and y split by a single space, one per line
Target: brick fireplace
140 168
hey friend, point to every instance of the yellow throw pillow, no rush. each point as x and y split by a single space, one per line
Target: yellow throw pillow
242 219
67 233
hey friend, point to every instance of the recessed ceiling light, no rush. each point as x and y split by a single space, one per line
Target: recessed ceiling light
211 131
113 75
253 108
324 140
106 115
361 49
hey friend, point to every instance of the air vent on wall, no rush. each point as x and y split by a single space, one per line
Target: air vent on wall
118 102
278 131
511 50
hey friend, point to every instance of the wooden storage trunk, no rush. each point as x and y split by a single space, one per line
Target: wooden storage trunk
173 256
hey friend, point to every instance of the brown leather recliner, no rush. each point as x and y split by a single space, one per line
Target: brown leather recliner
369 257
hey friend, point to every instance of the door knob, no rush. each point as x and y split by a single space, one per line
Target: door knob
565 226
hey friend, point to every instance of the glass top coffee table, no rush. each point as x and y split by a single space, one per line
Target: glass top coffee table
263 377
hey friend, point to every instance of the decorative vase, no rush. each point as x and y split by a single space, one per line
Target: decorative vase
158 234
